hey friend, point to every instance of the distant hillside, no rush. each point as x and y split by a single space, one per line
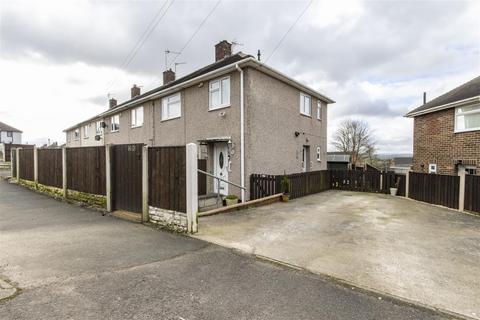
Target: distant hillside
385 156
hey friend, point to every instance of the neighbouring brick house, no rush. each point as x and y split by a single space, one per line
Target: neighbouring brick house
446 134
244 116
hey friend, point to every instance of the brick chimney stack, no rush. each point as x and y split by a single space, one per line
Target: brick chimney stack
168 76
112 103
135 91
223 49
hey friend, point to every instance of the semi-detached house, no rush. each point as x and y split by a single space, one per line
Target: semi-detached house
244 116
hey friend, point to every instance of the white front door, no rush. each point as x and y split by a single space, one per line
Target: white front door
220 163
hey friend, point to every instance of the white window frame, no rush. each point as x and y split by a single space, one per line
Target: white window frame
86 131
98 127
134 117
76 134
303 111
319 110
166 104
319 154
115 119
458 114
9 134
432 168
224 99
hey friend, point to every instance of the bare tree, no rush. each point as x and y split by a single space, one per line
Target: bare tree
354 137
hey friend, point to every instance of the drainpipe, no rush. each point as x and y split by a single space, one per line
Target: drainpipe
242 136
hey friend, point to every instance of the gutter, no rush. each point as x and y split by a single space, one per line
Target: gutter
444 106
242 134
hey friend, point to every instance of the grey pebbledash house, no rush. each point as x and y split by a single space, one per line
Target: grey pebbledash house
244 116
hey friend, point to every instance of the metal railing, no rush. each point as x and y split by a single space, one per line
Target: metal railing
218 184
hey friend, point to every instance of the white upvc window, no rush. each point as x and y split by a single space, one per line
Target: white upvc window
137 117
305 104
115 123
76 134
98 127
219 93
319 110
432 168
467 118
86 131
319 154
171 107
9 134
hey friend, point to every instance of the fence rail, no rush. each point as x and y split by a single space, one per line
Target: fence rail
435 188
472 193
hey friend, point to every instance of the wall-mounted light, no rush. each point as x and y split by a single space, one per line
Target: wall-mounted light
297 133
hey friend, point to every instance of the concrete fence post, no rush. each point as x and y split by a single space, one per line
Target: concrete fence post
108 177
18 164
11 162
192 187
461 193
381 180
407 184
64 172
145 209
35 164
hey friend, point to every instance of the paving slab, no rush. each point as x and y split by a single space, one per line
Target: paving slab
419 252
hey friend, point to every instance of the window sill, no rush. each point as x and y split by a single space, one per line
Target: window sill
134 127
219 107
165 120
114 131
305 115
466 130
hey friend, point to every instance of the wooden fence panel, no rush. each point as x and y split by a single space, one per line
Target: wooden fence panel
435 189
301 184
14 165
202 178
9 146
50 167
389 180
26 164
472 193
167 178
86 170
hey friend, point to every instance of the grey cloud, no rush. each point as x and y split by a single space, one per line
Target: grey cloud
377 108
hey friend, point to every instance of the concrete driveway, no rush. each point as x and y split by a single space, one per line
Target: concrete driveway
416 251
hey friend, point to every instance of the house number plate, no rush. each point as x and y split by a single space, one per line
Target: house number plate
131 148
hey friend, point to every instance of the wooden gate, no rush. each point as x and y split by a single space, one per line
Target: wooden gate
127 177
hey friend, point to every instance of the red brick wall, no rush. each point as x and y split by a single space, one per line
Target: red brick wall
434 141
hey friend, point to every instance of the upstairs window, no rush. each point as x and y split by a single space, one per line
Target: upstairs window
137 117
115 123
319 110
219 90
86 131
305 104
319 154
171 107
98 127
76 134
9 134
467 118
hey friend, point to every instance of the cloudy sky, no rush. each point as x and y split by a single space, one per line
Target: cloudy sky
60 59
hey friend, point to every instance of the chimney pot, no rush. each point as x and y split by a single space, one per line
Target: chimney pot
135 91
223 49
168 76
112 103
424 97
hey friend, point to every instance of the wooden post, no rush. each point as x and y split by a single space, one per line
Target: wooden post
64 172
145 209
108 176
35 164
461 195
18 164
407 184
192 187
